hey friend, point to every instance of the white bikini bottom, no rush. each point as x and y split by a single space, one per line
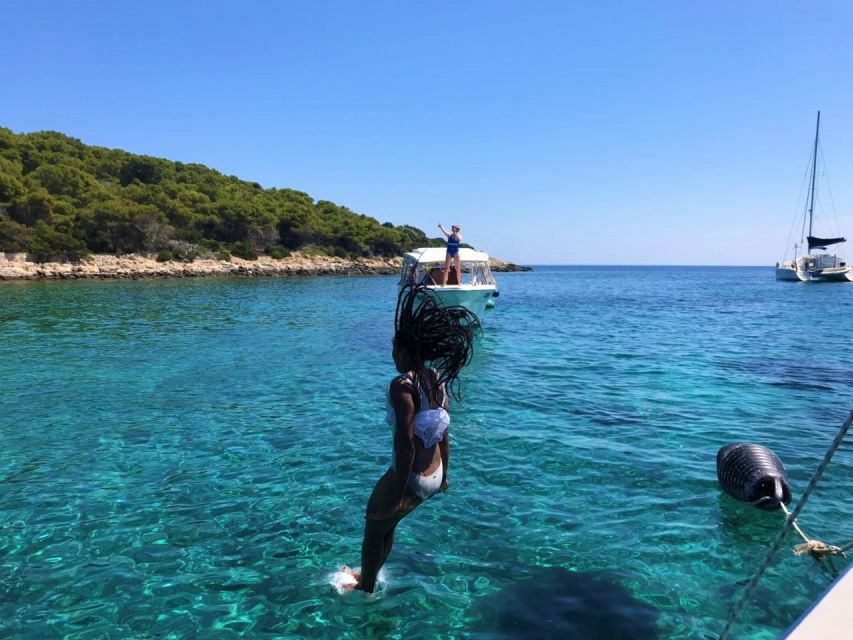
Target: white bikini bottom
425 487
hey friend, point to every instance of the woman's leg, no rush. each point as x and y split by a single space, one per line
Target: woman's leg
379 534
445 271
389 542
373 553
458 262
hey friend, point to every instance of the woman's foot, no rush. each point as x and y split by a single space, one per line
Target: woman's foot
354 580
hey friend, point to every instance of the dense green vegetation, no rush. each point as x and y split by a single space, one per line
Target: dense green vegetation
61 199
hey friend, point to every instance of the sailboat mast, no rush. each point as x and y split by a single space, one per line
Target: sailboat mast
814 172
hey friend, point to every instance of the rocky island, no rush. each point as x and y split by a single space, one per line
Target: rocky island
69 210
17 266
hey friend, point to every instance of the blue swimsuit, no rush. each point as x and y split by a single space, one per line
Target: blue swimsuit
452 245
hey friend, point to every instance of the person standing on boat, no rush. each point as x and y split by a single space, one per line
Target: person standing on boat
425 332
454 239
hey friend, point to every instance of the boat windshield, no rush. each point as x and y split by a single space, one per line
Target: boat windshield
473 273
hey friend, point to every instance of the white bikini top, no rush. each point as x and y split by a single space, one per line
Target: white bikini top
430 424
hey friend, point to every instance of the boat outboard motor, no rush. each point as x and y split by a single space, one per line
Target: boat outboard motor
753 473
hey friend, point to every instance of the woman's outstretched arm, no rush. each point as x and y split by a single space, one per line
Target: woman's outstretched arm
444 448
444 445
402 400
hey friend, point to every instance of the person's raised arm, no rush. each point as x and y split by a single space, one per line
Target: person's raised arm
443 230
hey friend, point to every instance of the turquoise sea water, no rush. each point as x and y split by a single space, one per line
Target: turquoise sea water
191 459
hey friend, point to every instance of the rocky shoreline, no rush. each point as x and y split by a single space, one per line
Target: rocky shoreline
15 266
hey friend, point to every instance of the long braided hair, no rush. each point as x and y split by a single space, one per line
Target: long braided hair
442 337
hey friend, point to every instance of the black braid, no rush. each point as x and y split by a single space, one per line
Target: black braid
429 333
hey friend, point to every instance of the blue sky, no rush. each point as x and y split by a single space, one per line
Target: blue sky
553 132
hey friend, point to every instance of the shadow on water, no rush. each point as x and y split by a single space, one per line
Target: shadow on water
556 603
741 523
790 374
801 386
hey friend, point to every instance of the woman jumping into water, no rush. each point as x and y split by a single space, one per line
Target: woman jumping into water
425 334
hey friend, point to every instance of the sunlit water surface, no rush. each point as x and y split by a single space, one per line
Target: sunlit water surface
191 459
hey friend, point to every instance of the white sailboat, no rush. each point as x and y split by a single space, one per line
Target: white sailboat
817 264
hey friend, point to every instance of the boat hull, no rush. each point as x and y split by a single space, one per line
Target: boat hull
472 297
787 273
829 615
832 275
808 270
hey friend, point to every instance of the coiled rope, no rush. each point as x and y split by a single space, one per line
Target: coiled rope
815 548
789 521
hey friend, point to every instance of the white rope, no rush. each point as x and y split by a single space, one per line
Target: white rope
815 548
794 523
788 522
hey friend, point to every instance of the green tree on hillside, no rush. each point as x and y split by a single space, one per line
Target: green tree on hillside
60 198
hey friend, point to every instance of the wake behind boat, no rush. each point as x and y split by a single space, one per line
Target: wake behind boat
473 288
817 265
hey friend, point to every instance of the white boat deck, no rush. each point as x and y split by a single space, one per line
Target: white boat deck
831 617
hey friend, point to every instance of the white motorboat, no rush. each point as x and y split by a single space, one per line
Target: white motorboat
473 288
817 265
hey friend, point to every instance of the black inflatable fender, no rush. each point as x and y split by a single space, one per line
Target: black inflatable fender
753 473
